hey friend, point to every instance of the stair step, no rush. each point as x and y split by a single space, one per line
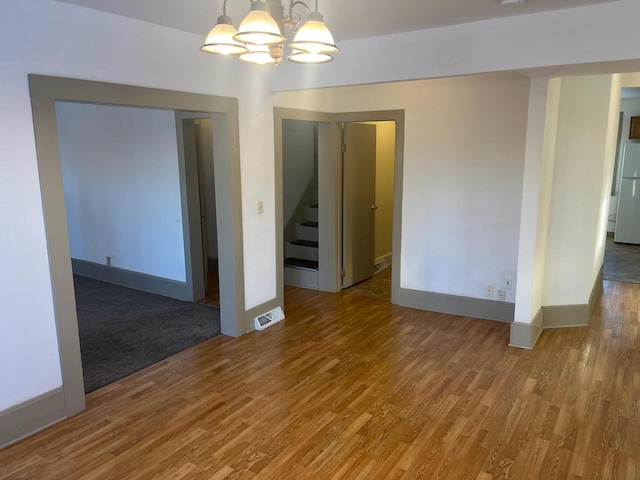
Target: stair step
303 249
301 263
310 214
315 205
305 243
310 224
301 277
304 232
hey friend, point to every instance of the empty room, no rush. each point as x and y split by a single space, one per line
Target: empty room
500 347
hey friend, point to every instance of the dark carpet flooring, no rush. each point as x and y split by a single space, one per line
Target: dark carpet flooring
621 262
123 331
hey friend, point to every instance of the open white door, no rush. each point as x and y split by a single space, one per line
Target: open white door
359 190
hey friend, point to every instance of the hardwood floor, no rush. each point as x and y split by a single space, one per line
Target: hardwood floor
213 290
352 387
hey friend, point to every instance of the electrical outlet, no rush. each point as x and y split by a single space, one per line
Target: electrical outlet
260 207
488 290
508 282
501 295
108 261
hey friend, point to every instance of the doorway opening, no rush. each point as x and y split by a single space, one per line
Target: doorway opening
122 189
300 203
622 250
368 184
45 92
197 136
326 205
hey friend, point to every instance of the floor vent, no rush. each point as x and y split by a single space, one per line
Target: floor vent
381 265
269 318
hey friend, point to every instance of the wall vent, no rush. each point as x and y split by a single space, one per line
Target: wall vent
269 318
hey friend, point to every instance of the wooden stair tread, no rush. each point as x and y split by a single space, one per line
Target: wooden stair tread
310 224
305 243
301 263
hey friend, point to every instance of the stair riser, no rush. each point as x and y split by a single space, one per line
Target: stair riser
310 214
306 233
301 278
298 251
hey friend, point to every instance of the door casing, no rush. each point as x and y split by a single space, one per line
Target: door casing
44 92
330 190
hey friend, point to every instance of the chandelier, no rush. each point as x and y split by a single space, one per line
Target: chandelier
260 38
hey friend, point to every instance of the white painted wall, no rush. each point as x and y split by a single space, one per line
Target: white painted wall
585 150
122 187
542 125
630 107
298 153
463 164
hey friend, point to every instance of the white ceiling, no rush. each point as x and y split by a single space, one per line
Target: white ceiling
347 19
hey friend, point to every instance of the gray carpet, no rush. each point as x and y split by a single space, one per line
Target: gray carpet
123 331
621 262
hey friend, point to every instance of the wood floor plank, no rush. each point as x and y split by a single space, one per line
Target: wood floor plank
350 387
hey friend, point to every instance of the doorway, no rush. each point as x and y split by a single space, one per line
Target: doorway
368 191
45 91
301 204
331 246
622 249
122 190
197 133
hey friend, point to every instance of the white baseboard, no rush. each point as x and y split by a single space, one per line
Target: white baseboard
384 258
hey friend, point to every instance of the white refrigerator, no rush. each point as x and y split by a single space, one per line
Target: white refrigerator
628 218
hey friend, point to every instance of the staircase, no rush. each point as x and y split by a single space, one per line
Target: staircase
301 252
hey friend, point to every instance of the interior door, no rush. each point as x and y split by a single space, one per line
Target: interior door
203 207
193 191
358 207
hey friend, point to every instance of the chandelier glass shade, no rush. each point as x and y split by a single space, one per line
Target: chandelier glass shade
307 57
258 27
314 37
260 38
220 39
258 54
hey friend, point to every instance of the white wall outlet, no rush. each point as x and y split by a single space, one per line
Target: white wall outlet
108 261
501 295
508 282
488 290
260 207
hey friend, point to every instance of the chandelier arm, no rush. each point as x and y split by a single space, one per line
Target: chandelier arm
294 19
